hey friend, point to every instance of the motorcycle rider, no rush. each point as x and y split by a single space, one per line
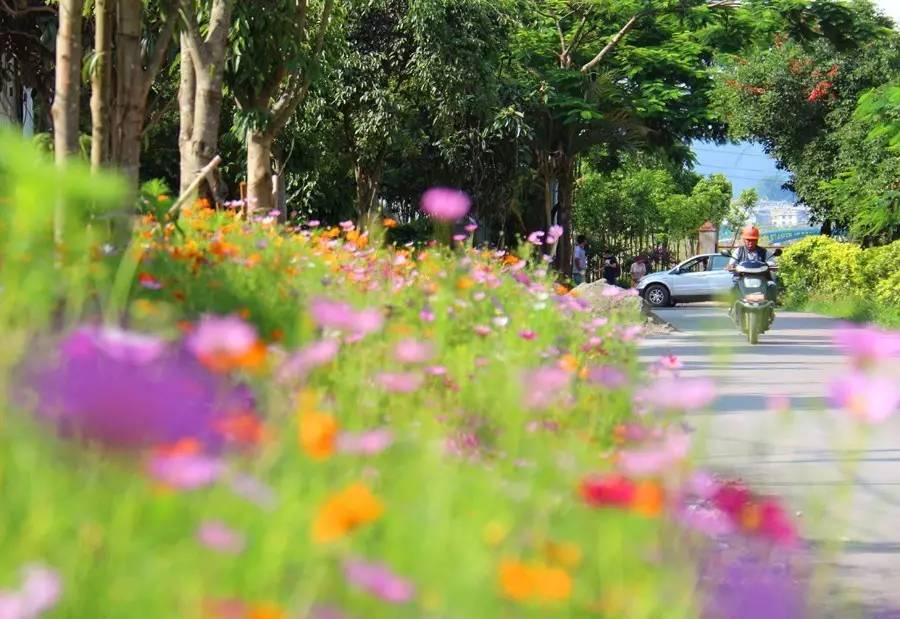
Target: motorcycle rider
750 250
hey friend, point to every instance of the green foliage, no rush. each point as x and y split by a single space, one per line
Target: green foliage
799 98
858 283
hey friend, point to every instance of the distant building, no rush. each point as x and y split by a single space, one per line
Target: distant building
779 214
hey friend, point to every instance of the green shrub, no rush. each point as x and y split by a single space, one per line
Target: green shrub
820 266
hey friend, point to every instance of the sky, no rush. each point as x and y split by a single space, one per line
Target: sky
746 165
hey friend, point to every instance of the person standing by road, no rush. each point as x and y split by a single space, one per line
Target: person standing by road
611 270
638 270
579 268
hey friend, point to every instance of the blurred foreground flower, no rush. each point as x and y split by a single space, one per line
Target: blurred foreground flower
645 497
39 592
867 345
224 343
756 515
317 434
185 471
329 314
868 398
677 395
346 511
314 355
129 391
367 443
655 457
378 580
220 537
534 582
544 386
445 204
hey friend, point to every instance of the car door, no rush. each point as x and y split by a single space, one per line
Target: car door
718 280
688 279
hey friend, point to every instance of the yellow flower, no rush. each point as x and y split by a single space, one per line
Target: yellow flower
345 512
494 533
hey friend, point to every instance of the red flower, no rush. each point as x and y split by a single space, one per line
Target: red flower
613 490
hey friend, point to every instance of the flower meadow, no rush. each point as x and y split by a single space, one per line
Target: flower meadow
229 419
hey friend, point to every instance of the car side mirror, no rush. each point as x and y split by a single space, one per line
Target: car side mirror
725 252
776 253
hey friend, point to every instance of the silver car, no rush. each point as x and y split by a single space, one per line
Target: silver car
701 278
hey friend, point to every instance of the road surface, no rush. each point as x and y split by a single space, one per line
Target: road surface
805 455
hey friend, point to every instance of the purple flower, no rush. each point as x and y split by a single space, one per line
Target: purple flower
708 521
186 471
399 382
544 386
40 591
749 587
378 580
445 204
672 394
413 351
607 376
220 537
129 391
871 399
308 358
365 443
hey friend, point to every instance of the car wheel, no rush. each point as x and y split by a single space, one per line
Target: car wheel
657 295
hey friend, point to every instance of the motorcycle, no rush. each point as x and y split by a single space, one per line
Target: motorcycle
753 311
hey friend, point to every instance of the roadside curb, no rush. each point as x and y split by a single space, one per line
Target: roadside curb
656 319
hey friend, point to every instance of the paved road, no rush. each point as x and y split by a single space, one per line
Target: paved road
806 455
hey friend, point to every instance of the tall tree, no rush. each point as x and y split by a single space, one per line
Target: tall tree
275 56
101 82
68 79
202 81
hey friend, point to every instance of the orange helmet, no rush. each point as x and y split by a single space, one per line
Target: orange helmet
750 233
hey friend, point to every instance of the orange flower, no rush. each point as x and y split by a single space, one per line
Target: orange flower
317 435
266 611
560 289
534 582
389 223
568 363
242 428
649 499
464 283
224 361
345 512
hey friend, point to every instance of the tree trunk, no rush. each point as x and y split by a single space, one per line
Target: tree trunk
100 84
206 59
367 183
566 181
187 92
68 79
259 172
129 112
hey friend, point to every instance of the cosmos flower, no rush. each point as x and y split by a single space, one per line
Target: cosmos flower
185 471
344 512
445 204
413 351
302 362
38 594
867 345
378 580
544 386
224 343
867 398
367 443
218 536
523 582
399 382
674 394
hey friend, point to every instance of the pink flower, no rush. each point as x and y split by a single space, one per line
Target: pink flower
709 521
536 237
778 403
313 223
413 351
252 489
544 386
187 471
216 336
867 398
670 362
445 204
399 382
527 335
308 358
630 333
867 345
482 330
378 580
607 376
426 315
612 291
654 458
330 314
220 537
554 234
40 591
459 237
347 225
436 370
672 394
365 443
470 228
